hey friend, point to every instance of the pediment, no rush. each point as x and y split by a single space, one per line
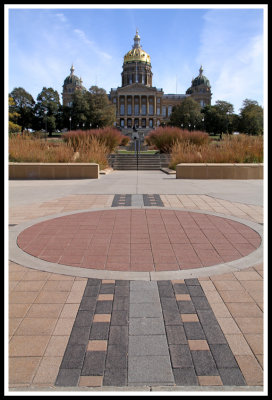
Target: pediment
136 88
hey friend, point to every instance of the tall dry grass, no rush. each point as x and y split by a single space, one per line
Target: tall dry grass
22 148
232 149
164 139
110 137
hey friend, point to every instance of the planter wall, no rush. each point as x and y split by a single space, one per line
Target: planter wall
53 171
219 171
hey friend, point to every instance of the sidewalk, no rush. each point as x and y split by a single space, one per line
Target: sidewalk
191 328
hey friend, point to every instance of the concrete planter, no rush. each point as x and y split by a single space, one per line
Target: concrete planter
53 171
219 171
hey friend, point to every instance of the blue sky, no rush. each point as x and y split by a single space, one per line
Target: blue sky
230 43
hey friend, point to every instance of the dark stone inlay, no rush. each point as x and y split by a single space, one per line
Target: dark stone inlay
188 364
99 331
152 200
112 364
120 200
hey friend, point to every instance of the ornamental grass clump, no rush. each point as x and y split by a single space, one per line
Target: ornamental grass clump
232 149
164 139
23 148
94 152
108 136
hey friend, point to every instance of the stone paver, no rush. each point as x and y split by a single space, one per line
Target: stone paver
67 331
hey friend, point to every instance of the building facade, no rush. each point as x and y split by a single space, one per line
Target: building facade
138 103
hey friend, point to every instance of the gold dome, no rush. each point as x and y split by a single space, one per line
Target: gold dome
137 53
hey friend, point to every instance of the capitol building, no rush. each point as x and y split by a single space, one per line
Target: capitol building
138 103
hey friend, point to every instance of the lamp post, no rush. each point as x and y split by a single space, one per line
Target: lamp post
45 113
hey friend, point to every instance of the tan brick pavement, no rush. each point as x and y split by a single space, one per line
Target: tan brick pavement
43 306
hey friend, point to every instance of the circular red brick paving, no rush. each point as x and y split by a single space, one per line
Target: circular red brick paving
139 240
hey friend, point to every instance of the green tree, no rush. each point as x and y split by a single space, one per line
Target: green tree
102 111
24 106
219 118
80 111
46 109
187 114
251 118
13 118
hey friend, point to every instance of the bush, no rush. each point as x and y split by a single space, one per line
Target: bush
165 138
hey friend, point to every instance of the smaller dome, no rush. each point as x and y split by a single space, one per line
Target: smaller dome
72 79
201 79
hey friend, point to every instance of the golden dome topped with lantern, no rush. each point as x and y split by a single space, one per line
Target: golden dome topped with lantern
137 54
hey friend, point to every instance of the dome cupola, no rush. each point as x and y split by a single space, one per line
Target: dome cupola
201 79
72 78
137 53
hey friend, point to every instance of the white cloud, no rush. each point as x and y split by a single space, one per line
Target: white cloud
83 37
232 57
61 17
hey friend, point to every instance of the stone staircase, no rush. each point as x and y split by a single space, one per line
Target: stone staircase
145 161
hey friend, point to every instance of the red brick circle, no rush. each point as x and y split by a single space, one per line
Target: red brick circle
139 240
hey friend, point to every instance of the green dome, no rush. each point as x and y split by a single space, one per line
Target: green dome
201 79
72 79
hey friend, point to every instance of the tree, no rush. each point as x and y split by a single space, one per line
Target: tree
251 118
219 118
102 112
80 110
13 118
46 109
187 114
23 104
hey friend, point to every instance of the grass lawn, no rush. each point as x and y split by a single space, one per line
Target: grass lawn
141 152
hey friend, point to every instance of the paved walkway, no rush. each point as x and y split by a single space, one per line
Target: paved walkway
73 329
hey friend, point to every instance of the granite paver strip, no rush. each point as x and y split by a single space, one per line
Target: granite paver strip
148 360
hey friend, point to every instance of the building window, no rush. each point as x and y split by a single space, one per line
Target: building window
151 108
202 103
122 123
122 109
151 123
136 106
164 111
169 110
143 123
143 106
158 110
129 123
